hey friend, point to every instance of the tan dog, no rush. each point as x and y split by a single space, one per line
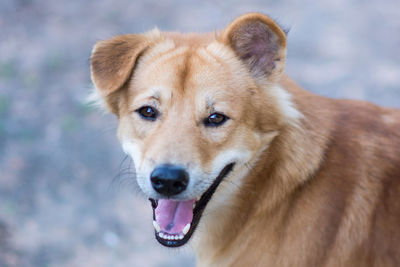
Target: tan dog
236 157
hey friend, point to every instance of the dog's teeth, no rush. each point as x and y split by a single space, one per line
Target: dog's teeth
156 226
194 205
171 237
185 230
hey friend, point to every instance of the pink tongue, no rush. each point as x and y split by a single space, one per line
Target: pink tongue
173 216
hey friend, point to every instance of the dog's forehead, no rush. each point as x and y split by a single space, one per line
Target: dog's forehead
169 70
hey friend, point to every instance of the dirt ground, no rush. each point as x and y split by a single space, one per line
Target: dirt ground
67 196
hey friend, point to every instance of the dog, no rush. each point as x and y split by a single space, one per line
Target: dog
241 161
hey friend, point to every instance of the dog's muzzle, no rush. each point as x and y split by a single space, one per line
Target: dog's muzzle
175 220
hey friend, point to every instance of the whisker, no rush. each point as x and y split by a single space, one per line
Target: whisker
122 172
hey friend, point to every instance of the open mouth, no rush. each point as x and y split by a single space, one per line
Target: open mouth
175 221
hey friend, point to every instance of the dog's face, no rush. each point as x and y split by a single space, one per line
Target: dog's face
193 111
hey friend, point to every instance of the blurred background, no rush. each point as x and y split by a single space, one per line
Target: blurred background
67 196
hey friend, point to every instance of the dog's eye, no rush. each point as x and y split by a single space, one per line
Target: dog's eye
148 113
215 119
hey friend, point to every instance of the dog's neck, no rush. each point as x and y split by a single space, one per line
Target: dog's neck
290 161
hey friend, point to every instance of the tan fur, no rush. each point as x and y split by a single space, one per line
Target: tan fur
318 180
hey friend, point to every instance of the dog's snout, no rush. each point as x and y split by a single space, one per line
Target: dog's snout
169 179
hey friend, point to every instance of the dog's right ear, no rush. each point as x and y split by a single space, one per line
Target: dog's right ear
259 43
113 61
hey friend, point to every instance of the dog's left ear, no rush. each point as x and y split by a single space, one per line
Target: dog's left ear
259 42
113 60
112 64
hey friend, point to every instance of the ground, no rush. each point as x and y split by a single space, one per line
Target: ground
67 198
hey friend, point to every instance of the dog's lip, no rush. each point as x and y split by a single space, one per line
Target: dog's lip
197 211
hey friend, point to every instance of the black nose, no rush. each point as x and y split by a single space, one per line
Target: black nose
169 179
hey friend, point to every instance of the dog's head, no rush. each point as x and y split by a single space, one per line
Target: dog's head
194 110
